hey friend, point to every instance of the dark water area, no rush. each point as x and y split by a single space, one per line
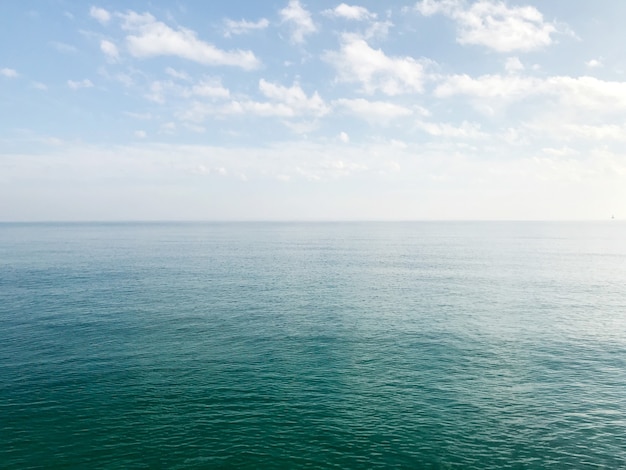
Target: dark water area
319 345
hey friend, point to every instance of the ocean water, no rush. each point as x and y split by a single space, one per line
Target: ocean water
313 345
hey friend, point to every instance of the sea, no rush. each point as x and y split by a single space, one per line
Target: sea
435 345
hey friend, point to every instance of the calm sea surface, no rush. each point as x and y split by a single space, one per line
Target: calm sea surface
279 345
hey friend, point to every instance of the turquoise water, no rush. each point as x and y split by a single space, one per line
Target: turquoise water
278 345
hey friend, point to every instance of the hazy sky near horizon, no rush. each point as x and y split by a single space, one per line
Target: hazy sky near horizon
288 109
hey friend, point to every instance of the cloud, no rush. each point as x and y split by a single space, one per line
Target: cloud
372 111
75 85
295 98
207 87
210 88
579 132
109 49
493 24
379 29
466 130
299 19
594 63
344 137
581 92
243 27
177 74
350 12
513 65
284 102
9 73
100 14
140 134
150 38
588 92
357 62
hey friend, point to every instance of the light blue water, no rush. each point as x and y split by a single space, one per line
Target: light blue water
276 345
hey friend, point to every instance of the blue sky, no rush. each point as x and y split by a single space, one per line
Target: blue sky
283 110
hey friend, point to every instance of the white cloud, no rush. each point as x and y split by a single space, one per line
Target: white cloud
594 63
109 49
357 62
150 38
9 73
295 98
100 14
493 24
210 88
376 112
513 65
140 134
75 85
487 86
177 74
207 87
378 29
558 152
299 19
40 86
350 12
588 92
465 130
284 102
578 92
232 27
344 137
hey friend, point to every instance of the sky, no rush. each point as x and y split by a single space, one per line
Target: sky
312 110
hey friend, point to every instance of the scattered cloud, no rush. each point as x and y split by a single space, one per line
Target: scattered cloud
150 38
487 86
177 74
209 88
372 111
109 49
513 65
284 102
299 19
350 12
357 62
100 14
493 24
344 137
594 63
40 86
9 73
465 130
294 98
579 92
232 27
140 134
378 29
75 85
